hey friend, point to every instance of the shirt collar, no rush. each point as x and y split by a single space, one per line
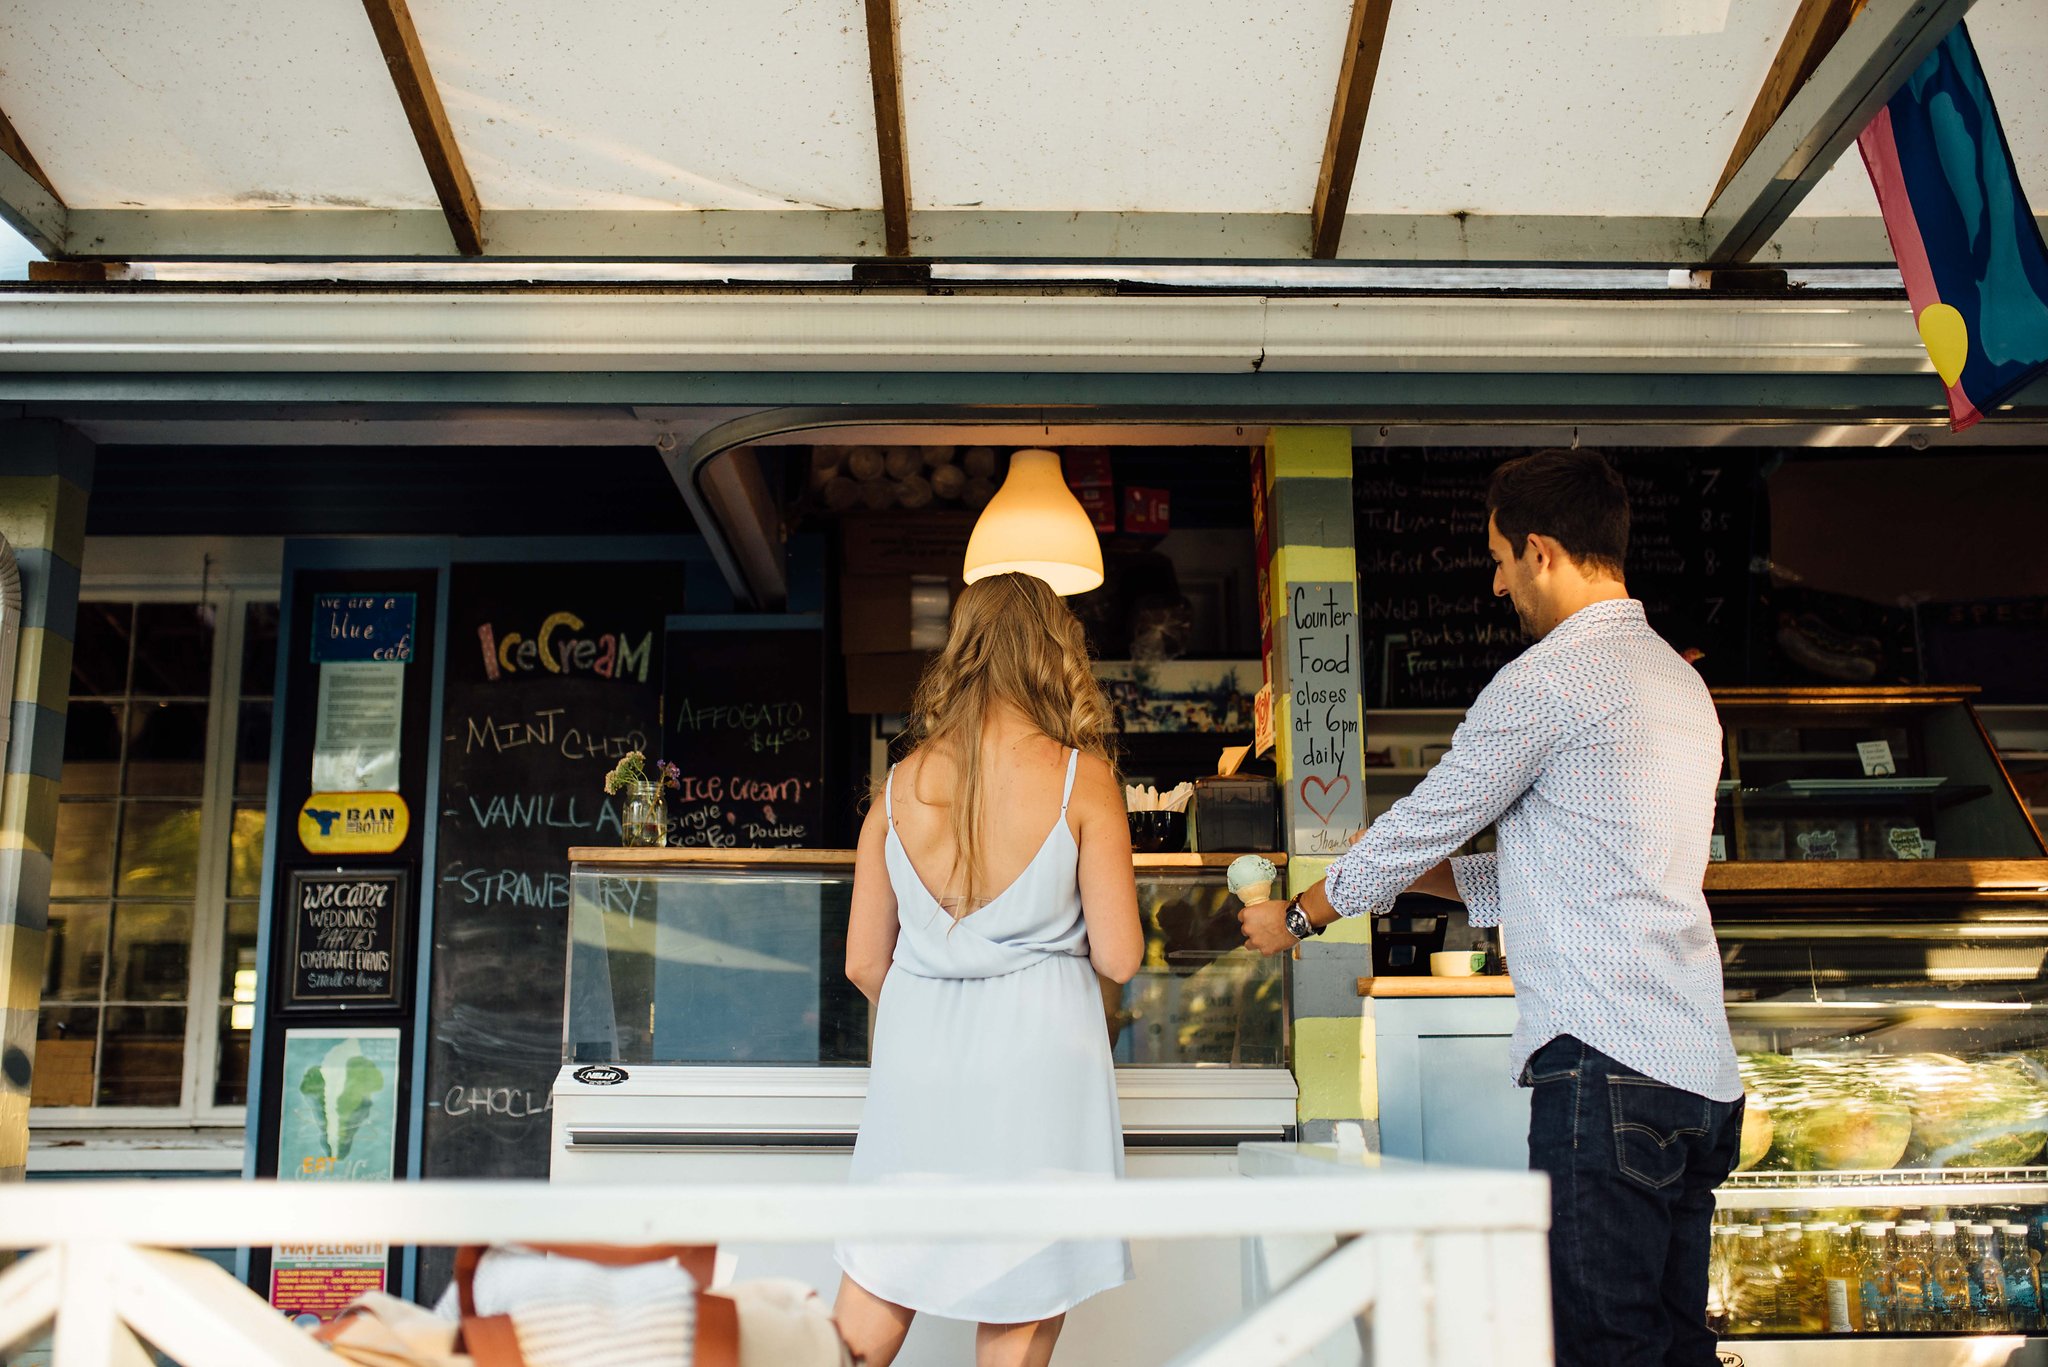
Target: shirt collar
1594 616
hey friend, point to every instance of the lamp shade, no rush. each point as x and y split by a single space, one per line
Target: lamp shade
1034 525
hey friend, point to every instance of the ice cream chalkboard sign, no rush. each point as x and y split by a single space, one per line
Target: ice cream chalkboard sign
742 712
345 939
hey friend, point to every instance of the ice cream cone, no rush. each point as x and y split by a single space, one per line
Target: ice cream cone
1254 893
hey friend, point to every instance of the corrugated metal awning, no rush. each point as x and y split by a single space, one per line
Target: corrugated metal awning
1663 131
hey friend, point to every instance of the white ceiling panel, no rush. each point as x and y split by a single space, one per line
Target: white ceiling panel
720 104
1174 106
208 104
2011 38
1619 107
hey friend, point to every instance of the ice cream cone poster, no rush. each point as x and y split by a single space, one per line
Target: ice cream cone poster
337 1122
338 1108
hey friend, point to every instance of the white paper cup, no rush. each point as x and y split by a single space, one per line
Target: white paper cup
1456 963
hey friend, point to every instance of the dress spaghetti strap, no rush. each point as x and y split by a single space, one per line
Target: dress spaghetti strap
1073 763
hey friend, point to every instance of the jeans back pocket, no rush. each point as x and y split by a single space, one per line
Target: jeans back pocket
1652 1123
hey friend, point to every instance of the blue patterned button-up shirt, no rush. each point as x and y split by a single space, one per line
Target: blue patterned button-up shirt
1596 751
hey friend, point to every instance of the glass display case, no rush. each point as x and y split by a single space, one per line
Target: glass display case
1894 1044
740 960
1841 774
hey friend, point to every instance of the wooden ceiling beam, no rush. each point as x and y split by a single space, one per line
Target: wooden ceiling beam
1362 46
1811 36
18 153
885 72
400 43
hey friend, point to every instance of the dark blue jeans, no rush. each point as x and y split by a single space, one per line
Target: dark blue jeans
1633 1165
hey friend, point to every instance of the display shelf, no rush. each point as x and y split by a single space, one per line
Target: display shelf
1894 1187
1888 795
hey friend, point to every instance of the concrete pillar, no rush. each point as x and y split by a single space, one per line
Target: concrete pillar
1319 735
45 474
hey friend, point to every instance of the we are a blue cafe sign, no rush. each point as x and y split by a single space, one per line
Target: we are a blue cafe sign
363 626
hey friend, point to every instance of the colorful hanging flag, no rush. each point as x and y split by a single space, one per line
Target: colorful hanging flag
1975 267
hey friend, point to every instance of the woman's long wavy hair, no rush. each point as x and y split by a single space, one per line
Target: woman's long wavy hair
1013 640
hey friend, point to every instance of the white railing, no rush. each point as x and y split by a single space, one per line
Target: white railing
1446 1267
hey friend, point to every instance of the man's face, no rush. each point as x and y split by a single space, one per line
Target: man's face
1513 579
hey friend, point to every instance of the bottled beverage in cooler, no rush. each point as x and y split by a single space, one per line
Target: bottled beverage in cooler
1948 1286
1811 1297
1720 1266
1987 1283
1782 1242
1842 1283
1911 1272
1753 1285
1874 1275
2022 1292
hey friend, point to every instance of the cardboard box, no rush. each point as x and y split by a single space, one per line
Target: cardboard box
882 683
877 612
920 541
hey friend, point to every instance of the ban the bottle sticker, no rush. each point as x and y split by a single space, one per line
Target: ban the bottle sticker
354 823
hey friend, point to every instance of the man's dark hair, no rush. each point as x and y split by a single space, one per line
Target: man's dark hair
1573 497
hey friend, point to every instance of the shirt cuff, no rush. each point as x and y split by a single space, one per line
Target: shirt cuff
1478 880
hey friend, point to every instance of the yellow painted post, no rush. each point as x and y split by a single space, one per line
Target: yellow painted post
1319 735
45 473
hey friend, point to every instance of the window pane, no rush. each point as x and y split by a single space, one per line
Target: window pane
65 1046
259 650
167 748
92 748
151 958
160 849
238 955
231 1078
77 952
245 855
144 1059
173 651
83 863
99 650
252 749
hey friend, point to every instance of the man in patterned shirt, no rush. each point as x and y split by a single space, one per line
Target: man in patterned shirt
1595 754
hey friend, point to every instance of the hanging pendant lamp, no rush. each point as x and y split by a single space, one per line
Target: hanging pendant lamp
1034 525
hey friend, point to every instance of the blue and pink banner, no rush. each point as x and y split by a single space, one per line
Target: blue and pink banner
1975 267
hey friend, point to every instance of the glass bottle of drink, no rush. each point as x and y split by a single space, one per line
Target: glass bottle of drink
1842 1283
1781 1241
1753 1285
2022 1292
1987 1283
1720 1268
1912 1272
1812 1296
1874 1274
1948 1287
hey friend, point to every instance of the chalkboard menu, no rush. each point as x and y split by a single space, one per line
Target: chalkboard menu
743 704
347 939
553 673
1433 632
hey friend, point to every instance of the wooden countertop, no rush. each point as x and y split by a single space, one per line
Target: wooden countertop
643 858
1477 985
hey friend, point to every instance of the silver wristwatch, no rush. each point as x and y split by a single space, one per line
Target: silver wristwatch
1298 924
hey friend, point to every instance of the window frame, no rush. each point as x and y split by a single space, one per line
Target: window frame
229 596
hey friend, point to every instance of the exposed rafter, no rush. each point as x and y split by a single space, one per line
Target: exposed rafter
1362 46
17 152
1869 61
885 71
400 42
28 202
1812 34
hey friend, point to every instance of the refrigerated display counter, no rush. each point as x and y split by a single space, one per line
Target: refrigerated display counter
1881 901
711 1035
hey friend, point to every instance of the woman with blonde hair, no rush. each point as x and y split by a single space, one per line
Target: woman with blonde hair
993 884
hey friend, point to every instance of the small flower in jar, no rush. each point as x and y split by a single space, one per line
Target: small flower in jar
671 774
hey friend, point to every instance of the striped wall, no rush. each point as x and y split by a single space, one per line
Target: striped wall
1310 528
45 474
